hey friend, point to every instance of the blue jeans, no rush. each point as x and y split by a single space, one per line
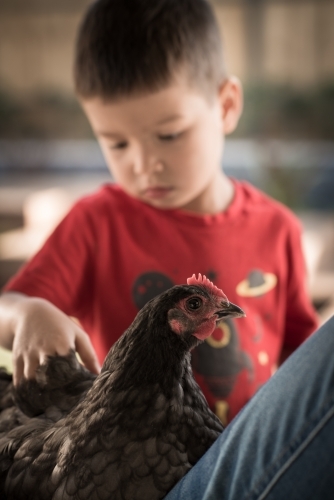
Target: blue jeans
281 445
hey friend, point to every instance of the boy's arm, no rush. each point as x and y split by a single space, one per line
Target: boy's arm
54 285
35 329
301 317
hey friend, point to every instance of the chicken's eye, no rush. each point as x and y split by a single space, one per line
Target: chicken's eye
194 303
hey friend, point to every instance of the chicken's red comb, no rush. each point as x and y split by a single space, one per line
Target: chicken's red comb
203 280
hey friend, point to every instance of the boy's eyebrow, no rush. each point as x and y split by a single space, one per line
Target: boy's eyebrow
170 119
110 135
114 135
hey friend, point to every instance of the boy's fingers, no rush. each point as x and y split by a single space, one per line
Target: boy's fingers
86 351
30 367
24 369
17 370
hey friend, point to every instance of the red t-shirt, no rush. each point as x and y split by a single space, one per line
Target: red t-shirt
112 253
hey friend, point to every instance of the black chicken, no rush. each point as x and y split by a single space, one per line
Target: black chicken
142 424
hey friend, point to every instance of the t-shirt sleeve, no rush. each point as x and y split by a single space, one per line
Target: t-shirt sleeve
301 318
63 270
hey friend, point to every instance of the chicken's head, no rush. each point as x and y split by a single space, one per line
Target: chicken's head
199 308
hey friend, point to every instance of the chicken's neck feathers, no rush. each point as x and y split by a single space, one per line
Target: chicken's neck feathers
146 355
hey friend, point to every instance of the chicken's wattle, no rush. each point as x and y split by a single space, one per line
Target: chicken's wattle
206 329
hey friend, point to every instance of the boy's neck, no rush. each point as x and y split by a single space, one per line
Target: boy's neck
215 198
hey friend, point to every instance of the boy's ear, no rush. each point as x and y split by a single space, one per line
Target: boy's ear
231 102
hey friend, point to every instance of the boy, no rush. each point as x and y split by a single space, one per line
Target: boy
151 80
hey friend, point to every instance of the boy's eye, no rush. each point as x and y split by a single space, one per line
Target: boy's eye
169 137
119 145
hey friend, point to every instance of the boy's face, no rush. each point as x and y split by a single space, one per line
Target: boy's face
163 148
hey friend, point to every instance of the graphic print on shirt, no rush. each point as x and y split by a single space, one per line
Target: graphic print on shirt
149 285
256 284
219 359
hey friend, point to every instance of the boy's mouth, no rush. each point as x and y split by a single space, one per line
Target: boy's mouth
156 192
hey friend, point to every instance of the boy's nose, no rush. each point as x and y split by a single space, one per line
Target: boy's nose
147 164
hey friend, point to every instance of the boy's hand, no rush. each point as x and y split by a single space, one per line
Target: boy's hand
41 330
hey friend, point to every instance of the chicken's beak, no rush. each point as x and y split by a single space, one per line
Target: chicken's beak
230 311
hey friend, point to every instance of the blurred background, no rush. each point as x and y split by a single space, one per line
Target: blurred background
282 50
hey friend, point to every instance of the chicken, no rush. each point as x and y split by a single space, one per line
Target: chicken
143 423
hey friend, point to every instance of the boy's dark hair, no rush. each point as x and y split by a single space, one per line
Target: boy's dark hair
134 46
